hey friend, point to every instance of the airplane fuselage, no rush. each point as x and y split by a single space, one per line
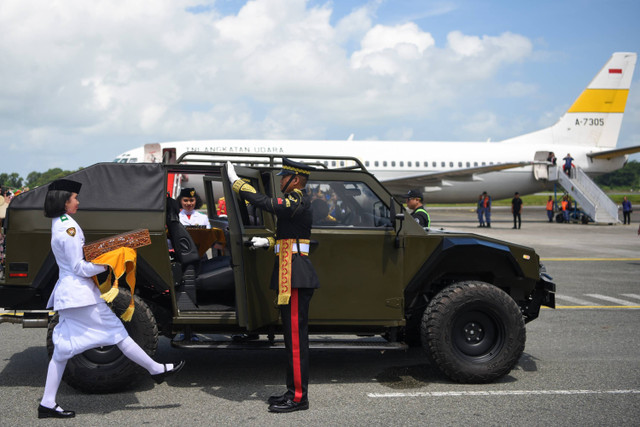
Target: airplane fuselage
389 160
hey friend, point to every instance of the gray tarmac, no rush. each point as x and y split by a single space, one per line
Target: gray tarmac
580 366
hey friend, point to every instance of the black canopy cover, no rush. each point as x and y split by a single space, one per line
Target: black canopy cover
109 186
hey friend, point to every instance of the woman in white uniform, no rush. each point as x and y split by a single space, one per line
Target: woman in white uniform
85 319
189 201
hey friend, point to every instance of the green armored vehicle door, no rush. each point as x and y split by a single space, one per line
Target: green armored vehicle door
360 269
255 302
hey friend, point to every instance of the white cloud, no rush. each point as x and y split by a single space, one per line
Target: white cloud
75 72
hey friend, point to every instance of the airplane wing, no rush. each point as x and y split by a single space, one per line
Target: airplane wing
610 154
435 179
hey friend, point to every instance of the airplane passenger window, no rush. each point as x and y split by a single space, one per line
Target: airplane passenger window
475 163
366 163
484 163
344 204
459 164
393 164
341 162
450 164
468 164
408 163
402 164
435 164
443 164
333 163
384 163
490 163
376 163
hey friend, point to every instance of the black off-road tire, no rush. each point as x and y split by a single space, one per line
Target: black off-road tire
106 369
473 332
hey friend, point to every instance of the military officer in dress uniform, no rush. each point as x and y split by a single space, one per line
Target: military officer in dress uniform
293 276
420 214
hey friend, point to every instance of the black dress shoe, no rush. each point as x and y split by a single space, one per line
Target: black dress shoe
277 399
159 378
245 337
44 412
289 406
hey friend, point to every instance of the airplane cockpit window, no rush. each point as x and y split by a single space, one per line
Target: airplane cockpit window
347 204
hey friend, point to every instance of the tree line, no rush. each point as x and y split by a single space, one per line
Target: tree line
33 180
626 178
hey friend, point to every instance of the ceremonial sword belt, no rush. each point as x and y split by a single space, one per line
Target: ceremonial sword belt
285 249
301 246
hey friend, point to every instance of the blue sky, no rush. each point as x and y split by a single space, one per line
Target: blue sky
81 82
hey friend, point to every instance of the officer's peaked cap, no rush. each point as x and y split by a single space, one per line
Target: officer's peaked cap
65 185
289 167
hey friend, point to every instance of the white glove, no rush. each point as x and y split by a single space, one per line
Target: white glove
259 242
231 173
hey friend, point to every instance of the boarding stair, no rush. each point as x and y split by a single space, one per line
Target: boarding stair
593 201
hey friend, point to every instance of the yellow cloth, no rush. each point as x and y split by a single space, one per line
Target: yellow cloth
284 272
120 261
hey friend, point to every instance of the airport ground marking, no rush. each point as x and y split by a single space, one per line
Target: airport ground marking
589 259
492 393
570 307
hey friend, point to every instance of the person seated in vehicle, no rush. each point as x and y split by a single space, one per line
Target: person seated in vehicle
189 202
321 216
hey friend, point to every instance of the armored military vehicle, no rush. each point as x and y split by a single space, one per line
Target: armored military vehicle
386 282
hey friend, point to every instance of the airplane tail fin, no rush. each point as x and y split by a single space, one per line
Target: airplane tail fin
595 117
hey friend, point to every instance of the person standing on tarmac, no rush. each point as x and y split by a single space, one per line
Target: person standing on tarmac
626 210
480 211
550 209
293 276
516 210
486 207
420 214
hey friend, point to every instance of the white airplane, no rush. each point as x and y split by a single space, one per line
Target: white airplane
449 172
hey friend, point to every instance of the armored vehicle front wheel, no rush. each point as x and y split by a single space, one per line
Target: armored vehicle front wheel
106 369
473 332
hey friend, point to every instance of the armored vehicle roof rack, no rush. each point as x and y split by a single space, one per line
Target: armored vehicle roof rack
271 160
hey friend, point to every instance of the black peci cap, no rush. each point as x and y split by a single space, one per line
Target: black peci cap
65 185
187 192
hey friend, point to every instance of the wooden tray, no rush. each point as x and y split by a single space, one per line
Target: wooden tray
131 239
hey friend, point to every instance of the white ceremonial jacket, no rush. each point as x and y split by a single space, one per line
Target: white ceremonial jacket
74 288
196 218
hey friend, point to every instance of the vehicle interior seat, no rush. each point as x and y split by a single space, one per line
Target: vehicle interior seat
210 275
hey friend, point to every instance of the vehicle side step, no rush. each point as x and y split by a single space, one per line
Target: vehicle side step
226 343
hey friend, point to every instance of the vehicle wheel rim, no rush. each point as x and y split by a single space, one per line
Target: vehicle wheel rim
103 355
477 336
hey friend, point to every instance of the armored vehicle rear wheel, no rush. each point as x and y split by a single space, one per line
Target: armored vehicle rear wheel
473 332
106 369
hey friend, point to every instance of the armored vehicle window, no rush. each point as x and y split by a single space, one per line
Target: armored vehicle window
346 204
